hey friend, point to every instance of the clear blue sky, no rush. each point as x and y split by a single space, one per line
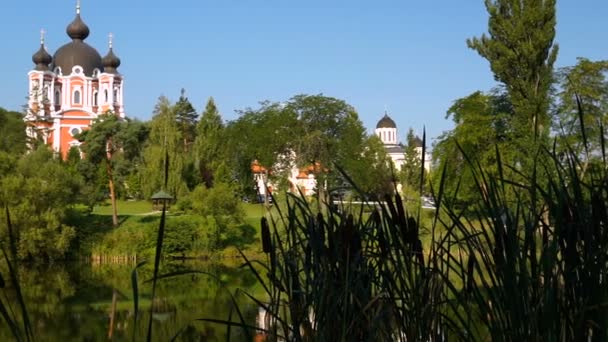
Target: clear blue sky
408 56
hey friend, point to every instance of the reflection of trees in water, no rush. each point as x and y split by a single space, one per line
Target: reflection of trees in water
74 302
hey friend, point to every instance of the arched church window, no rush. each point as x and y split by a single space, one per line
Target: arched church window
105 94
57 97
115 94
95 98
77 96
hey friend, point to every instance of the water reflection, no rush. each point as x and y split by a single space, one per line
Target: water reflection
86 302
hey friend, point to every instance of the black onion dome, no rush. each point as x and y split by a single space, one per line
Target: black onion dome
77 52
42 59
77 29
110 62
386 122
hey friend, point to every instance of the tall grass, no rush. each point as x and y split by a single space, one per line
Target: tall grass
528 261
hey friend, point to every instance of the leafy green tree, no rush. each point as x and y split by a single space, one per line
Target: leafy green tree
521 53
101 144
185 116
482 122
209 143
12 132
129 163
38 191
372 171
413 161
587 80
265 135
165 141
330 132
222 209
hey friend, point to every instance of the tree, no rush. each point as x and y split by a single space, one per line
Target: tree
12 132
101 143
482 122
209 143
37 190
129 163
410 171
165 141
265 135
372 172
331 132
521 54
185 116
587 80
221 208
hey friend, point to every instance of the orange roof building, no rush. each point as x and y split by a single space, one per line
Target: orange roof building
68 90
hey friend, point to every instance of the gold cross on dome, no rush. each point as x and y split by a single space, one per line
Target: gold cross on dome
42 32
110 37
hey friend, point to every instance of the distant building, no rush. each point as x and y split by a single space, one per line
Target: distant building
70 89
386 130
300 180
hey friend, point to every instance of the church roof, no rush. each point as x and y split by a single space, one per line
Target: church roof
42 59
417 141
77 52
394 149
386 122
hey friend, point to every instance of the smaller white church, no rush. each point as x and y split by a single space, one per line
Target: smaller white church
386 130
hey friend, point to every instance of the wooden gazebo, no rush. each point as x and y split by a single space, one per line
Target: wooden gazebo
159 198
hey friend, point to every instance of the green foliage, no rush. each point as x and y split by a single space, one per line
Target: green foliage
372 171
265 135
38 190
222 210
185 117
587 79
521 53
115 144
326 123
209 145
165 140
482 123
12 132
410 172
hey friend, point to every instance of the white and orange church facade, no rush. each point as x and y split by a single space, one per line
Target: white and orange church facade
68 90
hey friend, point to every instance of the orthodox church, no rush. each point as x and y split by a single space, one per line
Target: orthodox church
386 130
68 90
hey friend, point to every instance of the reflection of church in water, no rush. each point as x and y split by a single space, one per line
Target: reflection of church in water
386 130
71 88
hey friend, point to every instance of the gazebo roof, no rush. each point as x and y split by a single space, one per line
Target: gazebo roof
161 195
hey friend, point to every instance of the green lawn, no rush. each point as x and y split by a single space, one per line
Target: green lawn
124 208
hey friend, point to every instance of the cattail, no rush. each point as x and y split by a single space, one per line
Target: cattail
266 241
470 269
412 229
418 252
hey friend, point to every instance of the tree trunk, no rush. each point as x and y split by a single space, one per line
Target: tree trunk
112 195
111 185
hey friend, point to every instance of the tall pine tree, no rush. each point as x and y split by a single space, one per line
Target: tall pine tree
208 143
185 116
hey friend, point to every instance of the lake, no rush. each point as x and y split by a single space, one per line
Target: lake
73 301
